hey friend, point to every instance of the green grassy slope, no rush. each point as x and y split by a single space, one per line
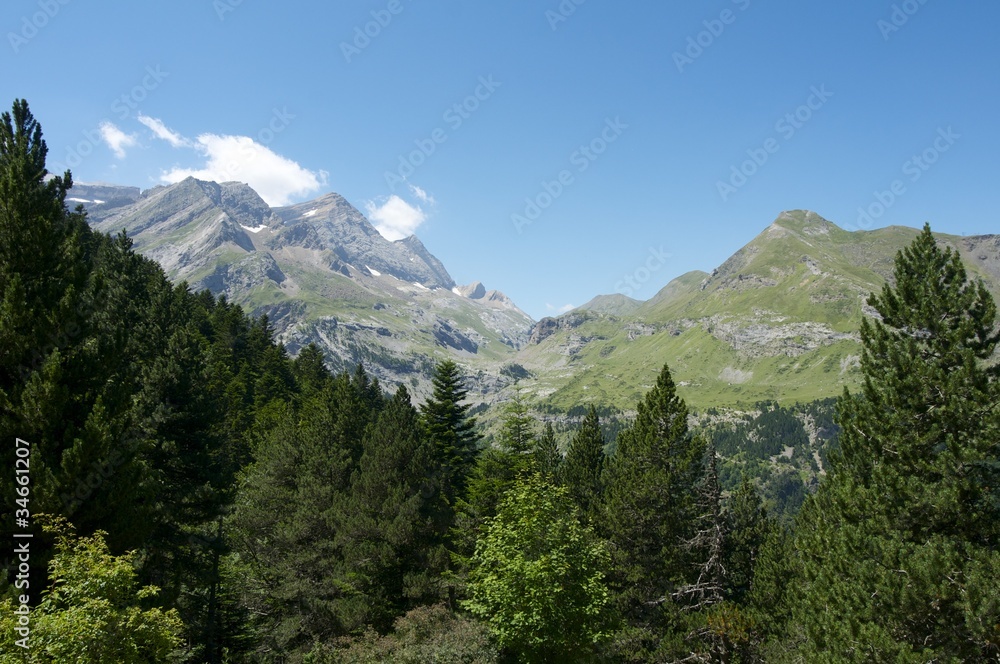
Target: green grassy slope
778 321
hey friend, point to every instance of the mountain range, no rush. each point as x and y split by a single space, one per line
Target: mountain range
777 321
321 273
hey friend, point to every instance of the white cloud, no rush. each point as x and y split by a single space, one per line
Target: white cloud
163 133
560 310
116 139
395 219
278 180
421 194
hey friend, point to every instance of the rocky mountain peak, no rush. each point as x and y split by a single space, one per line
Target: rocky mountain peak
330 223
414 245
243 204
806 222
473 291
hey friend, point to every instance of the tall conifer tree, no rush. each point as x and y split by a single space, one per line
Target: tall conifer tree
900 545
451 429
584 463
385 529
650 512
548 460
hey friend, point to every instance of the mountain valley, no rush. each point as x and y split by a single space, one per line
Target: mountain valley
777 321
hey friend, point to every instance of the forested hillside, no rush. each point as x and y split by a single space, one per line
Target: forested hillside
180 489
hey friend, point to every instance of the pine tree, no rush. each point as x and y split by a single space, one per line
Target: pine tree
41 250
772 592
452 431
40 278
901 541
309 369
56 388
747 528
285 522
385 531
187 478
547 458
650 512
356 401
516 433
455 443
584 463
708 543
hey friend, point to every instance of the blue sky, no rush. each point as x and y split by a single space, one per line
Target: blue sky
553 150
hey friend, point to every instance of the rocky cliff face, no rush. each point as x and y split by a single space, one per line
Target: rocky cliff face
322 274
333 224
548 326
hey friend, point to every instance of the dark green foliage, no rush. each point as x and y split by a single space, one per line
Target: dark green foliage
283 527
515 371
290 510
451 428
747 528
497 469
548 459
823 415
650 512
903 537
584 464
42 252
516 433
770 601
495 472
311 375
42 274
762 436
387 533
113 376
785 493
452 432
